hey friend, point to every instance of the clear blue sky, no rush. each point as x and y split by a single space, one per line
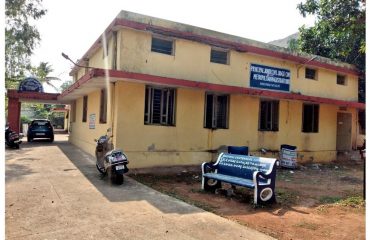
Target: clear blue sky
72 26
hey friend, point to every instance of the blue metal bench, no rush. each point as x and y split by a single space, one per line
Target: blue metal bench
247 171
243 150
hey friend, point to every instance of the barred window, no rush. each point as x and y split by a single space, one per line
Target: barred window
310 122
341 79
216 111
84 109
103 106
160 106
269 116
162 46
219 56
311 73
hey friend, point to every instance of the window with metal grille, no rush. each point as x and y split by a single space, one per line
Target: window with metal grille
219 56
84 109
310 118
341 79
362 121
73 111
160 106
103 106
310 73
216 111
164 46
269 115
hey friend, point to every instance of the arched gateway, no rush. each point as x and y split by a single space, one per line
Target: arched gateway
29 90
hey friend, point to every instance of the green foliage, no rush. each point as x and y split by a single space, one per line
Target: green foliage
25 119
354 201
339 33
42 72
21 37
41 111
329 199
57 119
65 85
293 45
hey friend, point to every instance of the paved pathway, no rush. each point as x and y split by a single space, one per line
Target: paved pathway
53 191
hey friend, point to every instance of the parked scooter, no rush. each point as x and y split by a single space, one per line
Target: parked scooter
109 160
12 138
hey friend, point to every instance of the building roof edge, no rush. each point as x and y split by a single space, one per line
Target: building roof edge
147 23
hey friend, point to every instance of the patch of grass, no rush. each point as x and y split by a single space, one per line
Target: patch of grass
198 190
329 199
322 209
307 225
286 197
354 201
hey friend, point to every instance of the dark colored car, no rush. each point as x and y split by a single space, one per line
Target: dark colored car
40 128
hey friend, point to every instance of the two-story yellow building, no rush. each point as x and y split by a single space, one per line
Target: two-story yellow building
173 94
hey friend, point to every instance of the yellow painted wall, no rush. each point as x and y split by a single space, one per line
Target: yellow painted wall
190 143
326 85
191 61
97 60
80 134
151 145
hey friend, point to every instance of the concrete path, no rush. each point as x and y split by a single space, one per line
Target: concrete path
53 191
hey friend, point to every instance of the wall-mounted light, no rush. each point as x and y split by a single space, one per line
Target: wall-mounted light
66 57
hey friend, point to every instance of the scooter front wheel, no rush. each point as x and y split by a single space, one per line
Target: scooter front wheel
101 170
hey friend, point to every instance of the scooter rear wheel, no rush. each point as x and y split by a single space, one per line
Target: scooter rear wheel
117 178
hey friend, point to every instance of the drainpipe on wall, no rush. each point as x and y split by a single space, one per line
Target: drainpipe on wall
113 96
115 51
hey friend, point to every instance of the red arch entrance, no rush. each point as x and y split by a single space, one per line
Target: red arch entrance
15 98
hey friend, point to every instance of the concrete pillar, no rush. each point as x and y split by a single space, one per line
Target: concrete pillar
14 114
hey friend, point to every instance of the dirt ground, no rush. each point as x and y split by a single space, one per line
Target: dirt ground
313 202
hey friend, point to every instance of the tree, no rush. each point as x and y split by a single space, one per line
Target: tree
21 37
42 73
65 85
338 33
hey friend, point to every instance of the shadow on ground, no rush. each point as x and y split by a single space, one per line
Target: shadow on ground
130 190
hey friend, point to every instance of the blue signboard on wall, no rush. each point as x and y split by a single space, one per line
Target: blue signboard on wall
30 85
269 77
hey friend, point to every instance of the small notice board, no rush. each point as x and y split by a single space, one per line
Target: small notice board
92 118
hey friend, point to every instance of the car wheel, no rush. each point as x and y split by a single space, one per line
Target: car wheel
29 139
51 139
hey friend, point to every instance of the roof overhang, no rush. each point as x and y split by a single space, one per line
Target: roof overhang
97 79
